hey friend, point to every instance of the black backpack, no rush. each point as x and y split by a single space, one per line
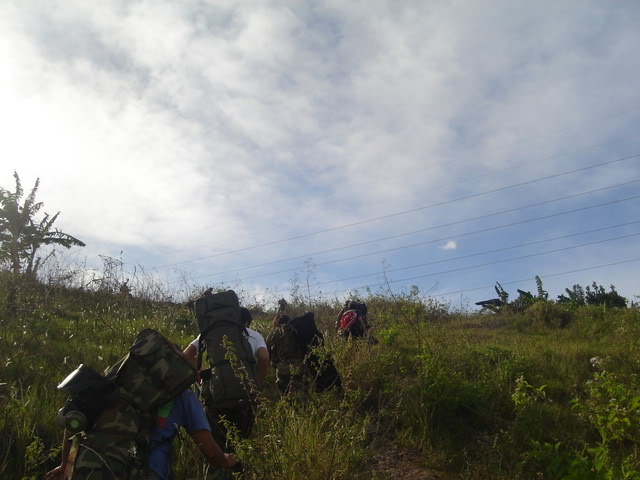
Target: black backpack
308 336
223 336
361 307
306 332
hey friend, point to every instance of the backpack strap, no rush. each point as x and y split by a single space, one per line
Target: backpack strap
202 346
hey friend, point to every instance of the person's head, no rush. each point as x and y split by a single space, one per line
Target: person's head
245 316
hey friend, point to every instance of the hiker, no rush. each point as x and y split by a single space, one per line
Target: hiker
185 412
286 356
291 346
351 321
122 423
238 361
256 340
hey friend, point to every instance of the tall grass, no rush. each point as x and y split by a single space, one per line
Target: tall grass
476 396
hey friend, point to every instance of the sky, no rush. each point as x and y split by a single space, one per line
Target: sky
333 145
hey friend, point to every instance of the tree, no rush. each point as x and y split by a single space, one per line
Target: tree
599 296
22 235
575 296
593 295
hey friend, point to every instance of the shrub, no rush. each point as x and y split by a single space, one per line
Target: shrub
549 314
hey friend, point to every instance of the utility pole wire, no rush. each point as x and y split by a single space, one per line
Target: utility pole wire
422 230
449 237
548 275
487 263
486 252
404 212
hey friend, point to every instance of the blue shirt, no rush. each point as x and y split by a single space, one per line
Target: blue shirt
186 412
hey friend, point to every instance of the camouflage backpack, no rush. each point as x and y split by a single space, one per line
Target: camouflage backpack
113 438
283 344
223 336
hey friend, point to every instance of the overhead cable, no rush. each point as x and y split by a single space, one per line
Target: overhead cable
548 275
477 254
505 260
441 239
404 212
422 230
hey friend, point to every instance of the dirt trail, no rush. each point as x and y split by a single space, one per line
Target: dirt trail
399 463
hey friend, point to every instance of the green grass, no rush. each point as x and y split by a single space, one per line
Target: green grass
505 396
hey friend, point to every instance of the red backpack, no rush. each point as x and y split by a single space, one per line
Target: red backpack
347 321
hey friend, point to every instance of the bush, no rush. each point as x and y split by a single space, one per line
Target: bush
549 314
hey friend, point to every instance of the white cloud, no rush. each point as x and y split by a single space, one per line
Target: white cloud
196 129
450 245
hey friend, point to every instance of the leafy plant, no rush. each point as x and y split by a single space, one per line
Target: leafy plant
612 407
22 235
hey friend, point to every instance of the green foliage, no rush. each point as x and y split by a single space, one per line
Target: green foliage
575 297
599 296
594 295
542 293
22 235
547 314
474 395
520 304
315 440
502 294
612 406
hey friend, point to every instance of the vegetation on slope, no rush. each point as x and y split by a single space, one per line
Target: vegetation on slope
548 392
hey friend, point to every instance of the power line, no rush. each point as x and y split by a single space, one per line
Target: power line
486 252
449 237
558 274
487 263
404 212
422 230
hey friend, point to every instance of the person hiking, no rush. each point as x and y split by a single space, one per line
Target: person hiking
286 356
122 423
351 321
256 340
185 412
238 361
291 346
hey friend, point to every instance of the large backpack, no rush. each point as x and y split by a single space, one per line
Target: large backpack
223 336
360 307
120 409
306 332
349 324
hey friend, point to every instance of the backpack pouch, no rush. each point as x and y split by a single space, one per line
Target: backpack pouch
154 372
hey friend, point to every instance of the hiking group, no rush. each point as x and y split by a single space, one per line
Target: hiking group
121 425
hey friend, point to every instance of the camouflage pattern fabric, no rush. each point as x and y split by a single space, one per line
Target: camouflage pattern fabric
116 446
153 373
287 357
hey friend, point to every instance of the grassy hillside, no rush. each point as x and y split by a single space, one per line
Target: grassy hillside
443 395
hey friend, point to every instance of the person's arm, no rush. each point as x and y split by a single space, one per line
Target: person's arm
212 451
272 351
191 355
58 472
262 365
